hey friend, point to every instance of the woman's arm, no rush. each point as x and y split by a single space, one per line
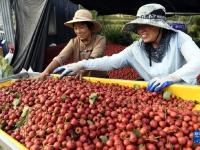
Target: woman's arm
191 69
49 69
58 60
107 63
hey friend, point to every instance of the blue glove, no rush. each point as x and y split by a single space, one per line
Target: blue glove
58 70
70 69
157 84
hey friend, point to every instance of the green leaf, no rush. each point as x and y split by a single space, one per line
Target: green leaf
2 125
16 103
137 133
167 95
63 97
24 118
8 71
21 122
73 134
25 111
17 95
103 138
141 146
90 122
92 98
136 86
57 130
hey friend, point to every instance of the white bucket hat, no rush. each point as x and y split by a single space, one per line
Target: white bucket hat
149 14
83 15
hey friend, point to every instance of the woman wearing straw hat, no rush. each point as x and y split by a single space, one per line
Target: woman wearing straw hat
162 56
87 44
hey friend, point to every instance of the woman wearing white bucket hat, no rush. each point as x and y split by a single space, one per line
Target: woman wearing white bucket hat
162 55
87 44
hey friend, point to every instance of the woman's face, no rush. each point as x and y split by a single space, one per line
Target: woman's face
82 31
148 33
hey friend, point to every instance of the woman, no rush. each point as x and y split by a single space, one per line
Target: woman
85 45
162 56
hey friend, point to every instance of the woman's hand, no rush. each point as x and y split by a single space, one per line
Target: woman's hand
157 84
42 76
70 69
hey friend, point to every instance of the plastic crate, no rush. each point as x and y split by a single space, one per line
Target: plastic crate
8 143
186 92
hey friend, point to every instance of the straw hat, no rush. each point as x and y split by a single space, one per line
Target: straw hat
83 15
149 14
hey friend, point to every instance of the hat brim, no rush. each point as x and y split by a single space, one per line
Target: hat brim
96 25
131 26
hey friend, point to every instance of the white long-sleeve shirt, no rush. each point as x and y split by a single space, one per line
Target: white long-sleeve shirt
182 60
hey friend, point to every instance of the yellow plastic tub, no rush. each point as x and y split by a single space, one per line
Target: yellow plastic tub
186 92
6 83
9 143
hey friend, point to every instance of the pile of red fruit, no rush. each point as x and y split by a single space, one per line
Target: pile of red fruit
126 73
69 114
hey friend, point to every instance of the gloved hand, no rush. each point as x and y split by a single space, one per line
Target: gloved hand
157 84
70 69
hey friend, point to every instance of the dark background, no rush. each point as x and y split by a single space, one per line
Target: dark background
105 7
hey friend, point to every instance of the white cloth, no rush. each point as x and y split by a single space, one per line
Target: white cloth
182 60
9 57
